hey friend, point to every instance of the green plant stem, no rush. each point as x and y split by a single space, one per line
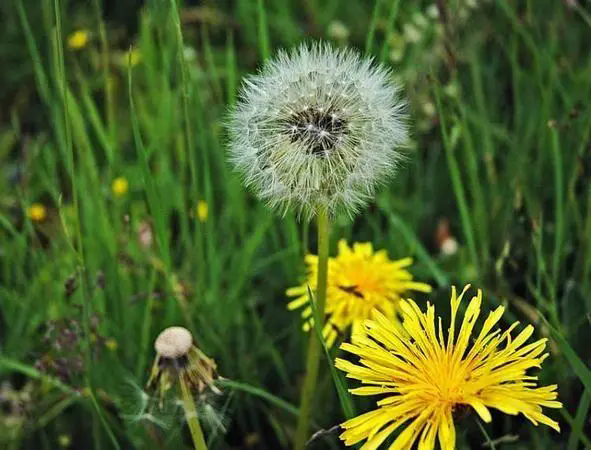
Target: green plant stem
315 346
191 416
490 443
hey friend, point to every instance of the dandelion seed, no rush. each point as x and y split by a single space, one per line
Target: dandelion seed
78 39
317 129
428 379
37 212
360 281
120 186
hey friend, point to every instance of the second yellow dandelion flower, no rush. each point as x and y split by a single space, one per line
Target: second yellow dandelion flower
360 280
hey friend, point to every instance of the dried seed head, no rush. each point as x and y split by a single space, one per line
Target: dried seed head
173 342
177 358
317 129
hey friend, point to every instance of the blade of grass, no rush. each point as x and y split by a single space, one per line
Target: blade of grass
475 179
31 372
107 84
372 28
152 194
389 25
274 400
263 32
569 419
230 68
558 208
578 366
40 75
454 171
414 243
576 433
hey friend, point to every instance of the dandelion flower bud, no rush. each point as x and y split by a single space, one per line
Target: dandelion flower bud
317 128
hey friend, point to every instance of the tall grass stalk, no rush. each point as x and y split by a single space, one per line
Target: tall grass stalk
315 346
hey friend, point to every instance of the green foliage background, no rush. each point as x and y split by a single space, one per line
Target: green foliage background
499 97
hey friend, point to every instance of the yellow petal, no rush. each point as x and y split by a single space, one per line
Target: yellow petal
298 302
482 410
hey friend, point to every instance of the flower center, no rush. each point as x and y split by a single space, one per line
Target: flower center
317 128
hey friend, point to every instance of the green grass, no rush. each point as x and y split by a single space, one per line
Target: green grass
501 150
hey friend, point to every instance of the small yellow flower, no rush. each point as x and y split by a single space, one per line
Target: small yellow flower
78 39
360 281
120 186
427 377
64 440
202 210
111 344
37 212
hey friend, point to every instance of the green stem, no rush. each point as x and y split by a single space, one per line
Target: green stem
489 442
191 415
315 346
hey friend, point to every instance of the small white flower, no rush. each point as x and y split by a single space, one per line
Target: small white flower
317 128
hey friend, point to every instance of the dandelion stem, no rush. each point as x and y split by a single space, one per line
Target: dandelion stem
314 347
191 416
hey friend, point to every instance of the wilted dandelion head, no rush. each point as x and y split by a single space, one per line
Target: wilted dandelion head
177 358
317 128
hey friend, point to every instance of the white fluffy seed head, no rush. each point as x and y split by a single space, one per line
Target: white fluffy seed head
317 128
173 342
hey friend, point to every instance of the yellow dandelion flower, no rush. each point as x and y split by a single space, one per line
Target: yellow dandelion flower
360 281
202 210
37 212
427 377
120 186
78 39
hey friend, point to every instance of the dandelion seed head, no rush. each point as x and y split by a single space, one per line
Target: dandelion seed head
317 128
173 342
